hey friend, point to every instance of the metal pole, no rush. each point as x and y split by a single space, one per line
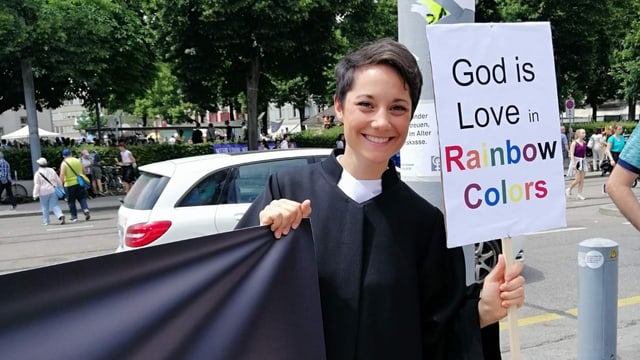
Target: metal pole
597 299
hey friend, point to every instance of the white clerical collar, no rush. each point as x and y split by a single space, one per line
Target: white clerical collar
359 190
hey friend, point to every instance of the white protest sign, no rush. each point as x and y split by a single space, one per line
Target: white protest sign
497 113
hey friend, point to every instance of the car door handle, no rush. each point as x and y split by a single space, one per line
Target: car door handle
238 216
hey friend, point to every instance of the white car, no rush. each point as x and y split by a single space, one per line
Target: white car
190 197
196 196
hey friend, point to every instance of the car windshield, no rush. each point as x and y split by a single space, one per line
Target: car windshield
145 192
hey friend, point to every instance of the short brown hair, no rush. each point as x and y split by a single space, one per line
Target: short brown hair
384 51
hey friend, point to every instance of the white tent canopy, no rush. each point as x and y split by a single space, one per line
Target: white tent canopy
23 133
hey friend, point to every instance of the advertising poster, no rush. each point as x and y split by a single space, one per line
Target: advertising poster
497 112
420 156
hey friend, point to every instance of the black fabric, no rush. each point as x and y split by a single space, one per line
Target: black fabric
238 295
390 289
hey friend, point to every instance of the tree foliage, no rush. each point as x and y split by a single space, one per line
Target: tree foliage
585 36
225 46
97 50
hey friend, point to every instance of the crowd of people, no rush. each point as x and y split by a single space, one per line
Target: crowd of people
605 144
79 179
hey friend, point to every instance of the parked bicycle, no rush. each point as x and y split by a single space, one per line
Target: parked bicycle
112 180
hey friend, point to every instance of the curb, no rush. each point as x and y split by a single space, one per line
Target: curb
31 212
610 210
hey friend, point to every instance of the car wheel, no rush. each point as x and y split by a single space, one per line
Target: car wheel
486 255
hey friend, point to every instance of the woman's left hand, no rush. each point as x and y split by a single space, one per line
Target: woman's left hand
501 290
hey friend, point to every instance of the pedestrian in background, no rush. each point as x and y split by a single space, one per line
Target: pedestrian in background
196 135
229 131
70 168
6 181
285 141
96 172
578 164
86 166
44 181
340 142
621 178
615 144
565 146
596 148
211 133
128 163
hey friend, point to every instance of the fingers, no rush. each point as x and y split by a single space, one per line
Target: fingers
512 289
509 281
513 271
284 215
498 271
512 298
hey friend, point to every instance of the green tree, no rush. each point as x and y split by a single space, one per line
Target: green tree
216 43
97 50
163 99
626 67
585 34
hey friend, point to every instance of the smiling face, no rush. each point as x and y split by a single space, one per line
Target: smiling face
376 113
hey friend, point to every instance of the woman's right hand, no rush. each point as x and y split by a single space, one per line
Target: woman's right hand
284 215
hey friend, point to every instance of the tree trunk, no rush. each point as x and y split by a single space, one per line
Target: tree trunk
265 121
32 114
253 79
98 123
632 108
301 111
594 111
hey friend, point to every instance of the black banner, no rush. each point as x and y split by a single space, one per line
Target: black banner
231 296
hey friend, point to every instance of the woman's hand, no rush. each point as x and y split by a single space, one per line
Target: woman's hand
501 290
284 215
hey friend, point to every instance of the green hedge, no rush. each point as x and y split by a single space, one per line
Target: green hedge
20 159
590 127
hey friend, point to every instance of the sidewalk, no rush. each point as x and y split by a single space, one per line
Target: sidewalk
33 207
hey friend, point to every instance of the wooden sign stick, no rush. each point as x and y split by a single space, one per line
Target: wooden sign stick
512 313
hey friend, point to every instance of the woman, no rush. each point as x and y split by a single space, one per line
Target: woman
596 148
615 144
577 165
43 187
389 286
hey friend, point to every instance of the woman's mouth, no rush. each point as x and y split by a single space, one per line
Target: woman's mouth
377 140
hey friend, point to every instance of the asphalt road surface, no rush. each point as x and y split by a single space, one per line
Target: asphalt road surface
548 322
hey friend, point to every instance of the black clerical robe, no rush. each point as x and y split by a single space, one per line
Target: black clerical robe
389 287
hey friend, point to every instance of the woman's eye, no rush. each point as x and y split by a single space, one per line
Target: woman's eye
398 109
364 104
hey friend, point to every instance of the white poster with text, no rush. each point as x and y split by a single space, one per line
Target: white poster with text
497 112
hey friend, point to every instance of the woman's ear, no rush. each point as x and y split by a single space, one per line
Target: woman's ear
338 108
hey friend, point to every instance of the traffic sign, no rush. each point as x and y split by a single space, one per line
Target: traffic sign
569 104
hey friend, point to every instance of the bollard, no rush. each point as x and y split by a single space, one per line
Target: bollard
597 299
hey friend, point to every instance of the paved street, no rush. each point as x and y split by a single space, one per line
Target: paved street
548 321
25 243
